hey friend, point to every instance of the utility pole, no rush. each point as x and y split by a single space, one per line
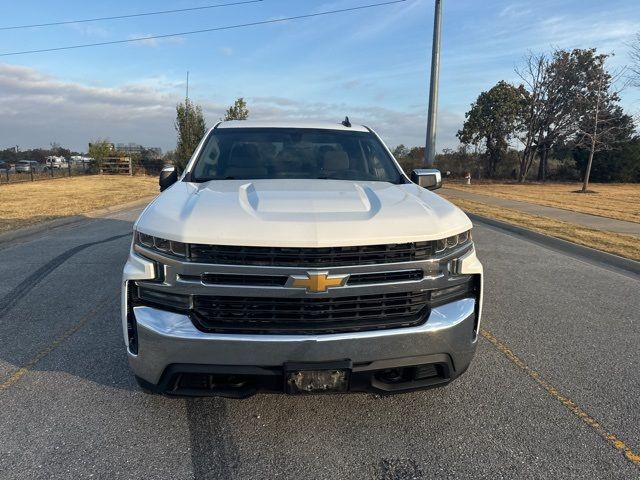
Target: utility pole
430 146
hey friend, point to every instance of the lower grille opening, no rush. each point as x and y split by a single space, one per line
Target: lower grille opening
203 381
243 381
427 371
402 378
408 374
230 385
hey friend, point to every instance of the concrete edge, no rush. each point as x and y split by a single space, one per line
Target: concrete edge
579 251
37 228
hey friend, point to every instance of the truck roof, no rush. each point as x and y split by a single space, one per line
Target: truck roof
290 124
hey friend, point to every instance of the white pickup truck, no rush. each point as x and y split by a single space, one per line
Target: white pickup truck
299 258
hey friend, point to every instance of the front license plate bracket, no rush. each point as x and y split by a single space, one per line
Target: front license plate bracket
320 377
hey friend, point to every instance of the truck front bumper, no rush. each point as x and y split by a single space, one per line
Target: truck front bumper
171 355
171 351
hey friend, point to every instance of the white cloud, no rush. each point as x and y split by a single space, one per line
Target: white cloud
514 11
226 51
145 40
37 109
88 30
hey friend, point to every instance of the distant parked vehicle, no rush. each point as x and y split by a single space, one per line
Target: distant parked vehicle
4 167
56 162
28 166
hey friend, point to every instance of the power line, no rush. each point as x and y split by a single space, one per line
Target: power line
133 15
215 29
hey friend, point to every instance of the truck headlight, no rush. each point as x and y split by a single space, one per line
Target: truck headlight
453 241
161 245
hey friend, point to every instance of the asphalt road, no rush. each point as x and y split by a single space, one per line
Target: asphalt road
553 390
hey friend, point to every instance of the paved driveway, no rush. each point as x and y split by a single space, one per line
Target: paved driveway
552 392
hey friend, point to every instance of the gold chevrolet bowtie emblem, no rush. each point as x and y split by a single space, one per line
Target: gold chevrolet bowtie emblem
317 282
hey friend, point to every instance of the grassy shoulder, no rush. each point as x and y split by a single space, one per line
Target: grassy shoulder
28 203
624 245
619 201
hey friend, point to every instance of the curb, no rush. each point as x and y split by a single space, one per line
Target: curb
20 233
590 254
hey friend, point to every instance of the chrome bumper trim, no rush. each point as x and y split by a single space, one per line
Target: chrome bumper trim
166 338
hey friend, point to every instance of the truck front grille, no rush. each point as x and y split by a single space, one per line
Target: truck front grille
309 315
311 257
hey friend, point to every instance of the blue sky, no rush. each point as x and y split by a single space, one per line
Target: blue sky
372 64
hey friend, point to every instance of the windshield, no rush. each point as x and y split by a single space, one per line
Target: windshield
271 153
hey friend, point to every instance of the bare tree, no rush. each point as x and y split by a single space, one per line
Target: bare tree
551 114
604 125
634 54
557 87
533 74
593 135
560 101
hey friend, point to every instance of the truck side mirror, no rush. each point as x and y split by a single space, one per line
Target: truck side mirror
429 178
168 176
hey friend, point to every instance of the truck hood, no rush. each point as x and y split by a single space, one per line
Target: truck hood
300 213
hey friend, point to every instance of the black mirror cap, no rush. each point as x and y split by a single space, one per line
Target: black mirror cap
429 178
168 176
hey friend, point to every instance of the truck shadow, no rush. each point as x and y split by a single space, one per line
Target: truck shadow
60 302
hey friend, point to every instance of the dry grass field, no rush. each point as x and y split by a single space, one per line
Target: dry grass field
619 201
24 204
623 245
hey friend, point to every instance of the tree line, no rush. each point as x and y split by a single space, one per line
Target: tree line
13 154
562 120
